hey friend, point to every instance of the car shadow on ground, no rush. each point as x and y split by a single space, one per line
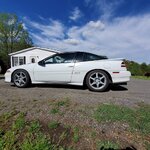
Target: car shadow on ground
111 87
117 88
59 86
1 78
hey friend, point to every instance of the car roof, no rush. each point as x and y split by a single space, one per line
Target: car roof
74 52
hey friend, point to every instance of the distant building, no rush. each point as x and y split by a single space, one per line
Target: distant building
30 55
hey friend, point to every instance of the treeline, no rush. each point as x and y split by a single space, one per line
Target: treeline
13 37
137 69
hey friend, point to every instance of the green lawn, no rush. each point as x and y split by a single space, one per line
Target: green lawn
141 77
138 119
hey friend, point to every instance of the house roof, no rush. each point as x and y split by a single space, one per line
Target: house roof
32 48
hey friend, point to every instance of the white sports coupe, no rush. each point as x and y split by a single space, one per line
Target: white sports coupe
75 68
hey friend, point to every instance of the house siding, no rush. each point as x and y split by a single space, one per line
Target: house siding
37 53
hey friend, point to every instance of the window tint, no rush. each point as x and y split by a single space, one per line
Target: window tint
79 57
92 57
60 58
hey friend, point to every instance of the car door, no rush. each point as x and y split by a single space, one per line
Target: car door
57 68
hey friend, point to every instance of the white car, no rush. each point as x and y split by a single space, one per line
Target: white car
75 68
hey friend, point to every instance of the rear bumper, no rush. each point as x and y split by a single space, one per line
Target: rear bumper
121 77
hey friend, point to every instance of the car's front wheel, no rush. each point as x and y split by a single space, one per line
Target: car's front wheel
97 81
21 78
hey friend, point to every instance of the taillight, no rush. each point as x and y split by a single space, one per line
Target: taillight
123 64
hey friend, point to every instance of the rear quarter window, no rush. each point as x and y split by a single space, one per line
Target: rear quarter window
92 57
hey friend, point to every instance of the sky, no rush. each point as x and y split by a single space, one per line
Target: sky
115 28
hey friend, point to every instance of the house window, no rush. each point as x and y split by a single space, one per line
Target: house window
15 60
33 60
21 61
18 61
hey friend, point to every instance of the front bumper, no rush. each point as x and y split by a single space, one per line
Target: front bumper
8 77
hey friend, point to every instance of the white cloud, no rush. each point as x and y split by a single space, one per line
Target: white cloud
72 41
105 8
24 26
75 14
126 37
53 28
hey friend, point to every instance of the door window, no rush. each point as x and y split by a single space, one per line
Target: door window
60 58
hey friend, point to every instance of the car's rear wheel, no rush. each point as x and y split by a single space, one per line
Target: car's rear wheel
21 78
97 81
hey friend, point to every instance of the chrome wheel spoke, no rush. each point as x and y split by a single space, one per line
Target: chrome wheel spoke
23 77
23 81
102 83
93 83
97 84
17 80
97 75
102 77
92 78
16 75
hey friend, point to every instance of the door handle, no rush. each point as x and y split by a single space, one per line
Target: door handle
70 66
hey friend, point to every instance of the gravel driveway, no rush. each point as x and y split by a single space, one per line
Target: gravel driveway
136 91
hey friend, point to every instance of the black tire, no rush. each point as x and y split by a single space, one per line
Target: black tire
97 80
21 78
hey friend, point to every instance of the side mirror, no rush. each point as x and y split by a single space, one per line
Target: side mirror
41 63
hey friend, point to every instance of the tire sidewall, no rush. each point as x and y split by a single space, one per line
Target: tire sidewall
27 77
97 90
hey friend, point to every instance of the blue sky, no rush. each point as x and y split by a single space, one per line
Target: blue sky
116 28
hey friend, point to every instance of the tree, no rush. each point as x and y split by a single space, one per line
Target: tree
144 68
13 36
134 68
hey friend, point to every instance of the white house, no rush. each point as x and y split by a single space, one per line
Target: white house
30 55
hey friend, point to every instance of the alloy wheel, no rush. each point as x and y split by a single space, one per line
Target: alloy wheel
20 79
97 80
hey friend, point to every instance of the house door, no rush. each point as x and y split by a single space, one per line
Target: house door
33 59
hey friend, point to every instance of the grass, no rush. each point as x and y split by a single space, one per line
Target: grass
76 134
20 122
141 77
54 110
147 145
56 106
40 142
53 124
138 119
25 135
35 126
104 145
